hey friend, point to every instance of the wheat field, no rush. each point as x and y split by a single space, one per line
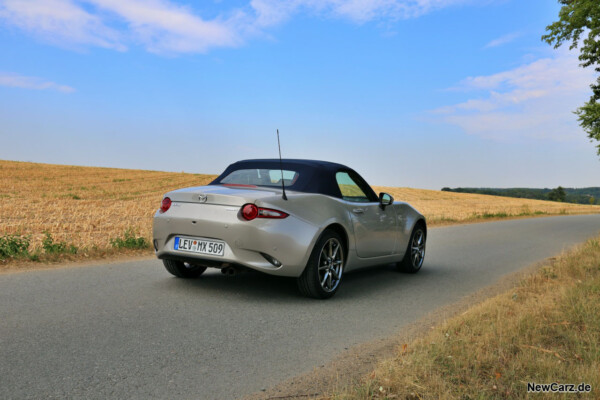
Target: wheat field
89 206
86 206
441 207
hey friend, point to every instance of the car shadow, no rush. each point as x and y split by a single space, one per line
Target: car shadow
385 279
252 285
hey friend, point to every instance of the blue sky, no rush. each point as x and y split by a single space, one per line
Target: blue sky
419 93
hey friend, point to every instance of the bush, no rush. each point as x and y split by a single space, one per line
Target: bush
56 248
14 246
129 241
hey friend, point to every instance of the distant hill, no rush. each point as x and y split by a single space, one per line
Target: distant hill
589 195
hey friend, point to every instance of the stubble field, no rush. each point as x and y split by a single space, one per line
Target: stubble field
88 206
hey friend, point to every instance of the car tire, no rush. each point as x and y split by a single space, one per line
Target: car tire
183 270
323 273
415 251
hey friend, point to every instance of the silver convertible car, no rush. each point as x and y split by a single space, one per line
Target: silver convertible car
312 220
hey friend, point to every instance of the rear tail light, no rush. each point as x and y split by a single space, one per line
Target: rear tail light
166 204
270 213
250 212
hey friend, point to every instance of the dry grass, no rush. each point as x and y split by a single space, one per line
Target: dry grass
88 206
85 206
442 207
546 330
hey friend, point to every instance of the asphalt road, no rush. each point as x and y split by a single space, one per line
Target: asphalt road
133 331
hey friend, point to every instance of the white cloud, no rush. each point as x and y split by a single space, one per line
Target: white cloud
272 12
164 26
59 21
28 82
159 25
535 100
502 40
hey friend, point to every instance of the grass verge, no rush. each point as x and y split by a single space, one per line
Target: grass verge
545 330
16 250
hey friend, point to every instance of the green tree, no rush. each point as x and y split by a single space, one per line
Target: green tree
592 200
576 19
557 194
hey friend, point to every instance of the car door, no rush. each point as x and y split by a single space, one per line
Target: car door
374 228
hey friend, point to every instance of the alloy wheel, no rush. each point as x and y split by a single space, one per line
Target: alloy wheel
417 253
331 264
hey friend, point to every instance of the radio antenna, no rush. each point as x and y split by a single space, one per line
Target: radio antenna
281 167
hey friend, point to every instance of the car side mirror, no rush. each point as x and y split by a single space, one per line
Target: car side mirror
385 200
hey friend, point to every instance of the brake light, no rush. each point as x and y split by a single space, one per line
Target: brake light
165 205
250 212
238 185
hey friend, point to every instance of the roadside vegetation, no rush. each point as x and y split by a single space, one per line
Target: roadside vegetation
60 212
17 249
545 330
130 241
52 247
14 246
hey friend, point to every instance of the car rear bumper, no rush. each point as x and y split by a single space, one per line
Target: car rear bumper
288 240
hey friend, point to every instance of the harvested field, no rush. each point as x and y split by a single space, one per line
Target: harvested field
443 207
85 206
89 206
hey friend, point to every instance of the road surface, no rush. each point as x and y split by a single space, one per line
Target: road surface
133 331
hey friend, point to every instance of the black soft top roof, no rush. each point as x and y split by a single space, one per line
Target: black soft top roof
314 176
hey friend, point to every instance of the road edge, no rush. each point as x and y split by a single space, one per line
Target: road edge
348 367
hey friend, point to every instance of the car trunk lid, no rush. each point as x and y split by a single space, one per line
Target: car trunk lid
221 194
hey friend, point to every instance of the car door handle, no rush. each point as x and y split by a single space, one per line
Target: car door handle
358 210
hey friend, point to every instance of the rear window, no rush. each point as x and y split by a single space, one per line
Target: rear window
260 177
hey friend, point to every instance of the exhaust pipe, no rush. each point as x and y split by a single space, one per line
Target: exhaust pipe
229 270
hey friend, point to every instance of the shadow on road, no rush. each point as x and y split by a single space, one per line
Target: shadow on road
382 279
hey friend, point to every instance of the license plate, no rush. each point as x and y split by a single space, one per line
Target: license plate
202 246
